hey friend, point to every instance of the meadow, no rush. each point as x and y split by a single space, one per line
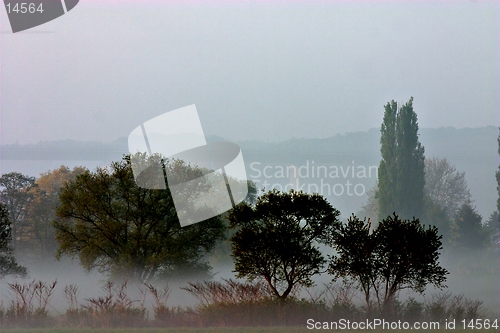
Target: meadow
198 330
223 306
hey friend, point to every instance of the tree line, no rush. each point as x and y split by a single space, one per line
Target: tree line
110 224
428 188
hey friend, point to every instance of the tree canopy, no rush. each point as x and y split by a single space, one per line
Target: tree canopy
277 240
110 223
445 185
16 196
40 211
401 171
467 231
355 247
445 191
398 254
498 176
8 264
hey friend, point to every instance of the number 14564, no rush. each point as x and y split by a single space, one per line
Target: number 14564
24 7
479 324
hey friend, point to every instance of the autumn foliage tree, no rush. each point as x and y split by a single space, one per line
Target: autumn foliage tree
41 211
110 223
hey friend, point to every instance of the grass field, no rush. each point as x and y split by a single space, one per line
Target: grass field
228 311
164 330
195 330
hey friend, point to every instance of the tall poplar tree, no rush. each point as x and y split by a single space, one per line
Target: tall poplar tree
386 194
401 170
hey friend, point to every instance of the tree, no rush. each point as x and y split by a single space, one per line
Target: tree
438 216
401 171
370 209
407 256
493 223
8 264
41 210
277 239
110 223
355 246
467 231
445 186
398 254
15 195
221 254
445 191
492 226
498 177
387 170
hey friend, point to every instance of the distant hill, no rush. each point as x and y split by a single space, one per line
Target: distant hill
329 164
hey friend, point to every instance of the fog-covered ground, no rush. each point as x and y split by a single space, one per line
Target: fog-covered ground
475 275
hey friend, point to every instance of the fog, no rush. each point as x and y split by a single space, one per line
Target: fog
293 83
90 285
474 275
270 71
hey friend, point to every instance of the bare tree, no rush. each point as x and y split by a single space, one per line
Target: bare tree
370 209
445 186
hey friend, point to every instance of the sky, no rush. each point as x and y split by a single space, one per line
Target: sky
255 70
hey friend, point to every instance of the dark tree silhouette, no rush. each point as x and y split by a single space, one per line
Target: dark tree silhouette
398 254
355 246
8 264
277 239
15 195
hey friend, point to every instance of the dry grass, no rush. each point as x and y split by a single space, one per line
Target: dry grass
113 309
196 330
28 306
226 303
232 303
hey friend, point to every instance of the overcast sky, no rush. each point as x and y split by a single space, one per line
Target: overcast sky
255 70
